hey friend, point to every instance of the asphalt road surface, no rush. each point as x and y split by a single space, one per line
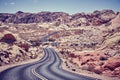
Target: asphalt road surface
47 68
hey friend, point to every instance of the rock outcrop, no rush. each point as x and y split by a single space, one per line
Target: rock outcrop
79 19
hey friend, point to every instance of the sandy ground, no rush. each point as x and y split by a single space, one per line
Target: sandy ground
2 68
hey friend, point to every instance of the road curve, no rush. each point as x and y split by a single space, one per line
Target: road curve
23 72
52 69
48 68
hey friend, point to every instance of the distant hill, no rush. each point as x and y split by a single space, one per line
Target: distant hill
78 19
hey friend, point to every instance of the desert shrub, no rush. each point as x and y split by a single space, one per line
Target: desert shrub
35 42
102 58
83 63
24 46
74 44
62 52
8 38
51 39
73 69
72 55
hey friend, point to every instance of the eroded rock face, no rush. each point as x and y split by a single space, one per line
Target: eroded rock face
96 62
112 63
80 19
21 17
105 15
102 17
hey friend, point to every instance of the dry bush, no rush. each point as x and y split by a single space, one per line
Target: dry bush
8 38
24 46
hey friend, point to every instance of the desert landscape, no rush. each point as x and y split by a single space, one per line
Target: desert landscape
87 43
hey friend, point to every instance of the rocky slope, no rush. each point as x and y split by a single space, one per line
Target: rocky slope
92 48
80 19
19 43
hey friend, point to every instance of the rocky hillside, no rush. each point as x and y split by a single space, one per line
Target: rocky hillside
79 19
92 48
19 43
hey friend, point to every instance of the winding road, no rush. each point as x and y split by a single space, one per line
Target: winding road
47 68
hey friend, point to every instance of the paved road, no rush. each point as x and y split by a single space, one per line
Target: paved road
47 68
23 72
52 69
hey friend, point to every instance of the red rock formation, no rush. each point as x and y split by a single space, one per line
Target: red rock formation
112 63
8 38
